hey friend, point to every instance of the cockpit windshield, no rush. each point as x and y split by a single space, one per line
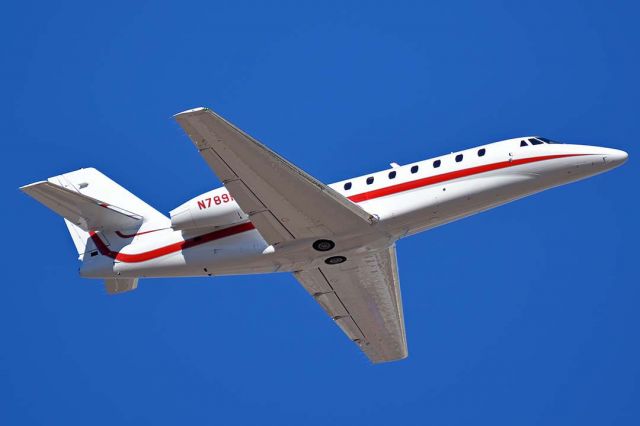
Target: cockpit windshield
536 141
545 140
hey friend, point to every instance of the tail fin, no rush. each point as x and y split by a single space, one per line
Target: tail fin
90 201
120 285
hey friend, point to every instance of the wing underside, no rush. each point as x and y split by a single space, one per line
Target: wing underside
362 295
282 201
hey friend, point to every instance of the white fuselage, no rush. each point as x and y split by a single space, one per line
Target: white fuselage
405 199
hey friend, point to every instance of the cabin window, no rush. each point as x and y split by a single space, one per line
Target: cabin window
482 152
392 174
436 164
414 169
347 186
523 143
535 142
369 180
458 158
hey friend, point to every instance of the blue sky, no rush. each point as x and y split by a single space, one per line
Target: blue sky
527 314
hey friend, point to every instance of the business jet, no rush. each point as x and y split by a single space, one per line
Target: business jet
338 240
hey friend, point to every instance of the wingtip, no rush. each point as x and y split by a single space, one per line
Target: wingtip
190 111
25 188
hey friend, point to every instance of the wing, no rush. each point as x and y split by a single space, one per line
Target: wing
362 295
282 201
86 212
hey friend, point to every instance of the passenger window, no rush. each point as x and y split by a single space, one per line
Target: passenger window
347 186
369 180
523 143
392 174
535 142
436 164
414 169
481 152
458 158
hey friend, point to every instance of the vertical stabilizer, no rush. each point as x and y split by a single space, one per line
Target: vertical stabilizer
80 238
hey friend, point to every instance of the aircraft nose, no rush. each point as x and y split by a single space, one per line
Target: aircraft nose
615 157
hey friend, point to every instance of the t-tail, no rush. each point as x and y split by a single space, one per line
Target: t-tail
91 203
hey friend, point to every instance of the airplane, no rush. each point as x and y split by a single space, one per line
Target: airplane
338 240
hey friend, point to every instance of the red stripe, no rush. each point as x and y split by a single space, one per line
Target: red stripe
376 193
431 180
171 248
123 235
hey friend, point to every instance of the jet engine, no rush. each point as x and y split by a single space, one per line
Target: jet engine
212 209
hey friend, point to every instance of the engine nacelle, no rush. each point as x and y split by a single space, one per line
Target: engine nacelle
211 209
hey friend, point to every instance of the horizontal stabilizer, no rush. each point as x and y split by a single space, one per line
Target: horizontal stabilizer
120 285
88 213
